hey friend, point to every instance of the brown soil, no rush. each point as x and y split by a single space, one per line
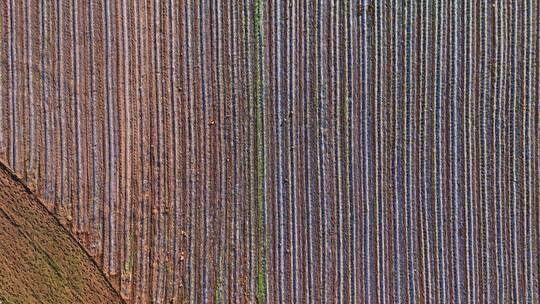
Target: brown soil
40 262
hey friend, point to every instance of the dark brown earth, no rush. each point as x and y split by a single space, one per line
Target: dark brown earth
40 261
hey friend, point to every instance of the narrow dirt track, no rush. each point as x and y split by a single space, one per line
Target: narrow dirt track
284 151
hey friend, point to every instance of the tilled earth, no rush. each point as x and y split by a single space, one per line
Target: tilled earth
284 151
40 261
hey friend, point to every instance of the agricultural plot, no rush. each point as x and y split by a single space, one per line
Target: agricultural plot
283 151
40 261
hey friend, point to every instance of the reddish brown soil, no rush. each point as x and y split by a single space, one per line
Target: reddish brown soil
304 151
40 262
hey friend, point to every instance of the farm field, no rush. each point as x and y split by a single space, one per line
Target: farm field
41 261
283 151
